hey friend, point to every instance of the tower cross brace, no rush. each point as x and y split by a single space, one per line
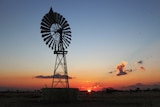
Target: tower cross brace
60 74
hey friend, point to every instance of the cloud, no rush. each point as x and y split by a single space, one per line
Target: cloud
143 86
121 73
41 76
112 71
121 68
129 70
58 76
142 68
140 62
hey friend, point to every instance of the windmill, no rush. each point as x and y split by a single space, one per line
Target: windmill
56 33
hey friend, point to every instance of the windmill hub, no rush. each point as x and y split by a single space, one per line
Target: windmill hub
54 28
59 31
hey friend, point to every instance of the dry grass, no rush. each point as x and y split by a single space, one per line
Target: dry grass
117 99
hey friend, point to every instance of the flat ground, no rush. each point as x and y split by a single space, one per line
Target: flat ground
116 99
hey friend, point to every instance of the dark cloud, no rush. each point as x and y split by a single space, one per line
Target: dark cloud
141 67
129 70
112 71
140 62
41 76
55 76
124 72
121 69
121 73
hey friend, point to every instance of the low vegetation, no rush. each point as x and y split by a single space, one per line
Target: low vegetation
106 98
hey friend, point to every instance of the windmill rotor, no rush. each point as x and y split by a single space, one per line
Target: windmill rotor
55 30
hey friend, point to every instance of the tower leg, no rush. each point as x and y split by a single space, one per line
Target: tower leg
60 74
66 72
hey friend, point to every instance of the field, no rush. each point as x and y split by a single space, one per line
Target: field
94 99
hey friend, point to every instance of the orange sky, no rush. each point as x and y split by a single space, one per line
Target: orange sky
83 82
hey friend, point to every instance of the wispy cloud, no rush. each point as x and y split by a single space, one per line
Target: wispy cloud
143 86
55 76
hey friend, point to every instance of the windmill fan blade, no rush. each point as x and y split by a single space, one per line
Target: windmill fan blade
44 28
46 34
63 24
67 37
47 19
68 28
57 17
48 40
52 15
67 32
45 31
66 25
45 25
68 41
65 41
46 22
45 39
53 45
48 16
62 20
50 43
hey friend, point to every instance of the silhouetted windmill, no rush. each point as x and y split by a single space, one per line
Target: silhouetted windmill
56 33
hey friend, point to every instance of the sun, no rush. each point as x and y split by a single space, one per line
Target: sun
89 91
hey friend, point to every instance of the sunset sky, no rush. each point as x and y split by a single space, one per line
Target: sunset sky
115 43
